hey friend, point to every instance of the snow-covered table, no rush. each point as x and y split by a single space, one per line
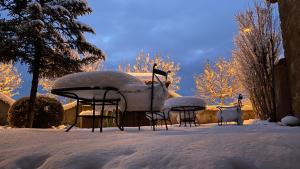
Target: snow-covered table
185 107
100 88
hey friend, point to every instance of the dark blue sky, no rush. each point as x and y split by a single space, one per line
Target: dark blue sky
190 32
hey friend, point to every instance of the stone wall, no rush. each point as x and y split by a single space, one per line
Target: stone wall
290 24
209 115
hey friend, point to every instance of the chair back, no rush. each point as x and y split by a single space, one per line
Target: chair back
156 72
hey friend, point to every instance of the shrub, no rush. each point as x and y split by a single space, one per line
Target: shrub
48 112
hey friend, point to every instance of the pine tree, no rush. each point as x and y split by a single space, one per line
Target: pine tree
42 34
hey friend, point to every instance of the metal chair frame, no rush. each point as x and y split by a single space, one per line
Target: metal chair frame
185 110
155 72
238 109
70 93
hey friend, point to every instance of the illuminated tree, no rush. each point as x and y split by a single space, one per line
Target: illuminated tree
218 83
257 48
10 79
144 63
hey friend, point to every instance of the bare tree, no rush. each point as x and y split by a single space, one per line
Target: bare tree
144 63
257 48
10 79
218 83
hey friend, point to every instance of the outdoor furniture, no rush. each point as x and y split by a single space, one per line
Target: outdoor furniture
231 113
98 89
185 107
143 98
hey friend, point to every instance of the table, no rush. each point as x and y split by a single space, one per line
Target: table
96 89
186 111
71 93
185 106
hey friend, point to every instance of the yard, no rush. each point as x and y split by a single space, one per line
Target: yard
257 144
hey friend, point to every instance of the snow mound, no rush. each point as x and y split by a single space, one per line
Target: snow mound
146 76
205 147
184 101
99 79
138 97
290 121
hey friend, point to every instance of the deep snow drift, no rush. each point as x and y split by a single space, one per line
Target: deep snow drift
256 145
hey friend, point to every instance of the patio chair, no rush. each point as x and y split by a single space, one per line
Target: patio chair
148 99
231 113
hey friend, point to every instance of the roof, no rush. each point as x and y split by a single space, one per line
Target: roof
173 94
6 99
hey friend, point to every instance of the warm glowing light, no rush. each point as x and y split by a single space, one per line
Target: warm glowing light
246 30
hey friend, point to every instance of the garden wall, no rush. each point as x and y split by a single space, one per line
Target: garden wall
5 104
209 115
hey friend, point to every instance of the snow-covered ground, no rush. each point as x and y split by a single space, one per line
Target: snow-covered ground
255 145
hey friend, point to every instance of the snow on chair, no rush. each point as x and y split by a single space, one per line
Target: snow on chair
231 113
147 99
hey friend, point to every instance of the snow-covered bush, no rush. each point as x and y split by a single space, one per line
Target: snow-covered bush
48 112
290 121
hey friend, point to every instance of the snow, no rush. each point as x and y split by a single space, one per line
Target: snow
138 97
184 101
231 114
252 146
146 76
82 3
56 7
95 79
173 94
290 121
136 93
84 26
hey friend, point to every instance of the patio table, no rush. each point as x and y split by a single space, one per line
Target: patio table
185 107
96 89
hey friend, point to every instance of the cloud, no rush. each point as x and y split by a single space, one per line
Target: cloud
190 32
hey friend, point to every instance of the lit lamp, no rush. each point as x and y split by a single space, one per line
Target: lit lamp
246 30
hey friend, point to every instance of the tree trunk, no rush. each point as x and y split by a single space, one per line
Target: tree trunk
33 93
34 85
38 44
